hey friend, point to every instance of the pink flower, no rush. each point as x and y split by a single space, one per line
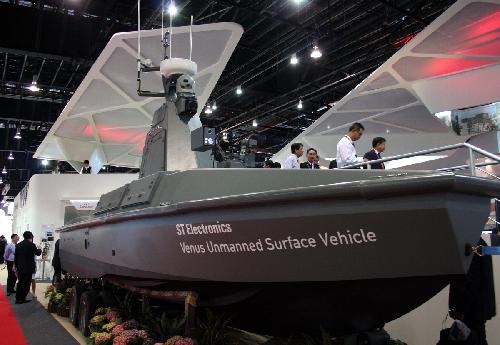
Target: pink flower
112 316
117 330
120 341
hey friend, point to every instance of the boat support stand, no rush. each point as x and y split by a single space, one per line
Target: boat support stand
189 298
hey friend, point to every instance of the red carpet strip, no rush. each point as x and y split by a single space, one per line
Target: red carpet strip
10 332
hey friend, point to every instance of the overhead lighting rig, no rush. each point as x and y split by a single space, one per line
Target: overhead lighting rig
316 53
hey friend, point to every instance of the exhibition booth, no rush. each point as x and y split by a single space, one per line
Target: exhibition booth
50 201
356 253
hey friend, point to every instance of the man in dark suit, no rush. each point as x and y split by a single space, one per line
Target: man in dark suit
24 263
311 163
378 146
472 298
56 264
86 169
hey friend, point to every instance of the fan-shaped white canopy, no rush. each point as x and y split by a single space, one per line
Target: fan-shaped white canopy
105 120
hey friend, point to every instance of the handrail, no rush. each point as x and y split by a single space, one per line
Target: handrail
488 173
467 166
472 149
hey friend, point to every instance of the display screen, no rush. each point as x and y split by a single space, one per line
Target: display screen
471 121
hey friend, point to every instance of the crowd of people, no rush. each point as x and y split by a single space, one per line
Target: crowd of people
346 153
21 266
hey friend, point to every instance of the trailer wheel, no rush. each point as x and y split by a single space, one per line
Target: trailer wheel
88 302
74 303
108 298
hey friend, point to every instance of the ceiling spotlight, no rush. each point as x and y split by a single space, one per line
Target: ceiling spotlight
33 87
2 125
254 123
224 135
45 162
214 106
239 91
316 53
172 10
298 1
4 171
208 110
294 60
300 106
18 134
11 157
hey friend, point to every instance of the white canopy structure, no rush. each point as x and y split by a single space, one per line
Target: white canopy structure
106 121
454 63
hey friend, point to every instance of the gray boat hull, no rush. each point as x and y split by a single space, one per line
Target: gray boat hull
348 257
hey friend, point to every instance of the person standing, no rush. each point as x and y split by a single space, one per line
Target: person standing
292 162
9 259
346 150
25 266
33 281
86 169
3 244
312 160
472 298
56 263
378 146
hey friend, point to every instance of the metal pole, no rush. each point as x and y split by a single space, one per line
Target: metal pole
472 162
171 33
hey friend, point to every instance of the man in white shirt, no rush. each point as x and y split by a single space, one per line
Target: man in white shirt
346 150
292 162
9 256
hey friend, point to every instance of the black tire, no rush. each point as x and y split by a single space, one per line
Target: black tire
74 303
108 298
88 305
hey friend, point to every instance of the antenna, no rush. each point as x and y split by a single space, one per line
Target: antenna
162 26
171 33
139 31
139 47
191 39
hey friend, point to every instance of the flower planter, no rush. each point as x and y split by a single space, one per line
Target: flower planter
63 311
52 307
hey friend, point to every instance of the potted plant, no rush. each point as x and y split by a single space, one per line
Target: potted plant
50 294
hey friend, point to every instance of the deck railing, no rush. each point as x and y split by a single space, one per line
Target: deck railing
472 152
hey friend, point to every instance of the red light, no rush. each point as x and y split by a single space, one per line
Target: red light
403 41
